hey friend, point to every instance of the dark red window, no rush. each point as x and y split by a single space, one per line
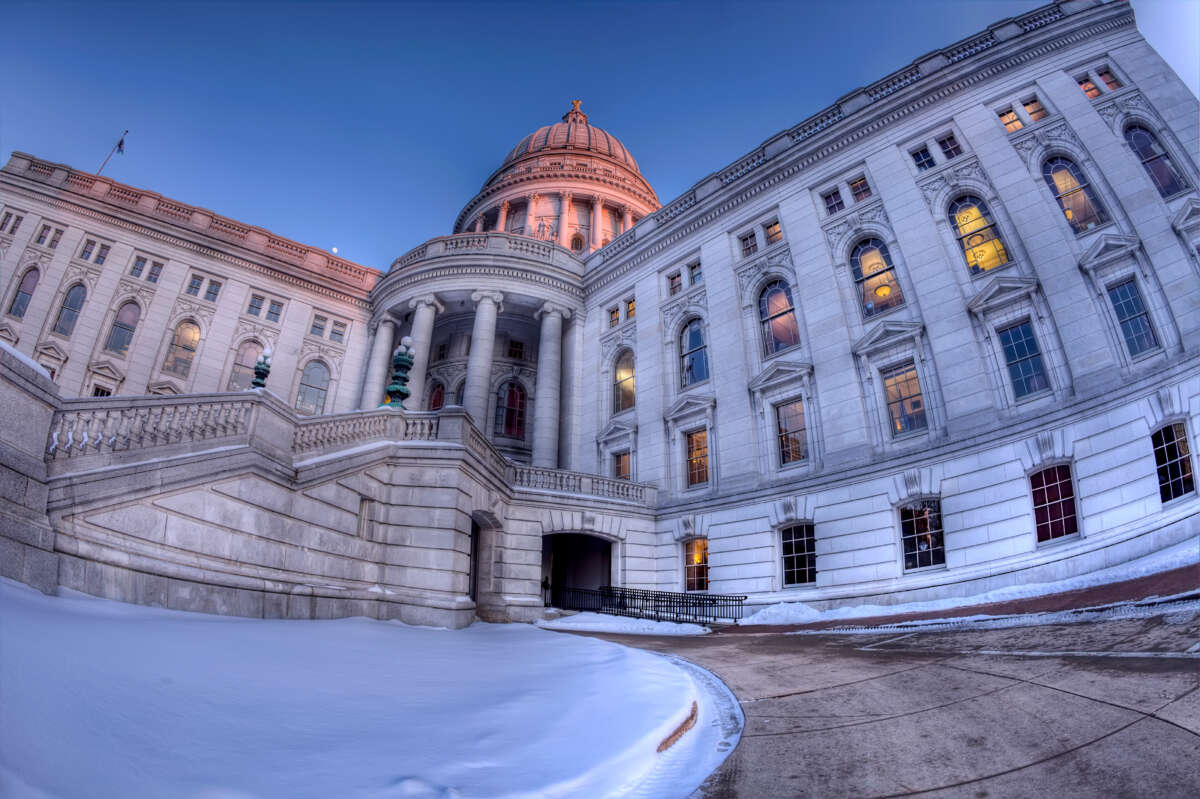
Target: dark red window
1054 503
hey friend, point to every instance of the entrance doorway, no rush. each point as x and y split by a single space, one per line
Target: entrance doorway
574 560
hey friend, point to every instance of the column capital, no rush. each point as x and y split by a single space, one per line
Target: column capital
426 299
552 308
532 196
504 204
495 296
597 199
384 320
566 194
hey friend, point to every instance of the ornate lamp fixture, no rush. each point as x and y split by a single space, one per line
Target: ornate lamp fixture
402 361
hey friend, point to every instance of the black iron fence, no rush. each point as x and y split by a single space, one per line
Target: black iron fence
657 605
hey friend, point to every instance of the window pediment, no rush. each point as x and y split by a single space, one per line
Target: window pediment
690 405
50 351
1188 218
163 387
1108 248
106 369
9 334
1000 291
778 373
887 334
616 430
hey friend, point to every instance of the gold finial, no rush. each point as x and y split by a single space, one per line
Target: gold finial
575 104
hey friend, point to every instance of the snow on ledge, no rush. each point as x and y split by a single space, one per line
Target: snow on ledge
602 623
25 359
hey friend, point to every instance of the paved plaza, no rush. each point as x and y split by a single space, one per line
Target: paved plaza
1085 709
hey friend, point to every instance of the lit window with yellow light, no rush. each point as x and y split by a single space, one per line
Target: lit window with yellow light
875 277
695 564
1075 197
976 231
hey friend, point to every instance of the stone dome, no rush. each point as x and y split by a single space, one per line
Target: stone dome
573 133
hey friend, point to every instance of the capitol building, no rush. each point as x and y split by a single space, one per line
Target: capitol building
937 338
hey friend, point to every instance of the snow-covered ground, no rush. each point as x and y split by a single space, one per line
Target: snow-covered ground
104 699
1182 554
601 623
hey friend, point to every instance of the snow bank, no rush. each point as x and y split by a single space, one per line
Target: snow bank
102 698
1182 554
602 623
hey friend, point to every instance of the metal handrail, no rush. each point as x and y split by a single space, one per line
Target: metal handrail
658 605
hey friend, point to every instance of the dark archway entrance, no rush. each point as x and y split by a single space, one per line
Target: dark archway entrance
574 560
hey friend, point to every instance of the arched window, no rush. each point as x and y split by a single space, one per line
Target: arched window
183 349
1155 160
437 396
577 242
314 385
623 393
693 354
510 410
976 231
1075 197
875 277
460 392
123 326
24 293
243 365
778 318
68 314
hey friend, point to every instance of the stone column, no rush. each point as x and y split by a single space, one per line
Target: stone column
425 308
564 214
379 365
597 213
479 365
549 380
530 222
626 218
502 220
479 223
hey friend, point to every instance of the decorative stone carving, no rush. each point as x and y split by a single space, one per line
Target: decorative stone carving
692 302
838 233
1038 140
967 174
269 336
186 307
84 273
617 340
136 288
749 273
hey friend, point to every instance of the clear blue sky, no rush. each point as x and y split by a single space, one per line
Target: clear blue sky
367 126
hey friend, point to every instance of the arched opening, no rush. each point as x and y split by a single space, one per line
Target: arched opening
577 242
574 561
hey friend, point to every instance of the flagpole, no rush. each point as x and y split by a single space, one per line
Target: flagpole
110 152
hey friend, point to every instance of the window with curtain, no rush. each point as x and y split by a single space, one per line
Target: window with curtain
123 327
20 302
510 410
314 386
1053 502
976 230
437 396
68 314
182 351
777 316
875 277
623 382
1155 160
695 564
243 365
1075 197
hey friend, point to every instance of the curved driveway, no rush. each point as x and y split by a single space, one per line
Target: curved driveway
1096 709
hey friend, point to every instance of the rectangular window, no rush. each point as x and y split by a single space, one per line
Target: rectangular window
5 227
906 407
630 308
274 310
1024 360
621 465
4 222
799 546
441 351
337 334
102 254
950 146
1034 108
674 283
697 458
695 273
833 201
773 233
860 189
214 288
194 284
793 443
1109 79
139 265
1011 121
923 159
1053 503
614 316
256 305
1133 317
44 234
921 534
1173 460
695 564
155 272
101 391
749 244
516 349
89 247
1089 88
318 326
54 238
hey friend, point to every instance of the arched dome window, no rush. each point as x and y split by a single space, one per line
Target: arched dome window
183 349
623 382
243 365
778 318
693 354
314 386
437 396
123 327
875 277
976 231
1075 197
510 410
577 242
24 294
1155 160
68 314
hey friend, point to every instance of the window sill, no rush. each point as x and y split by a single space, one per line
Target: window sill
1051 542
940 567
1093 229
799 586
871 319
1179 499
1034 398
692 386
986 273
623 414
772 356
910 435
1146 355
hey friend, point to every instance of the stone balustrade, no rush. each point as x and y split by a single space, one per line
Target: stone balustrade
560 481
509 244
327 433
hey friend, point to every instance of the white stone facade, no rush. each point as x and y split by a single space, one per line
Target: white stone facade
927 402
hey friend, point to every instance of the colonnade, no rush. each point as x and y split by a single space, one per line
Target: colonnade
478 389
566 199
